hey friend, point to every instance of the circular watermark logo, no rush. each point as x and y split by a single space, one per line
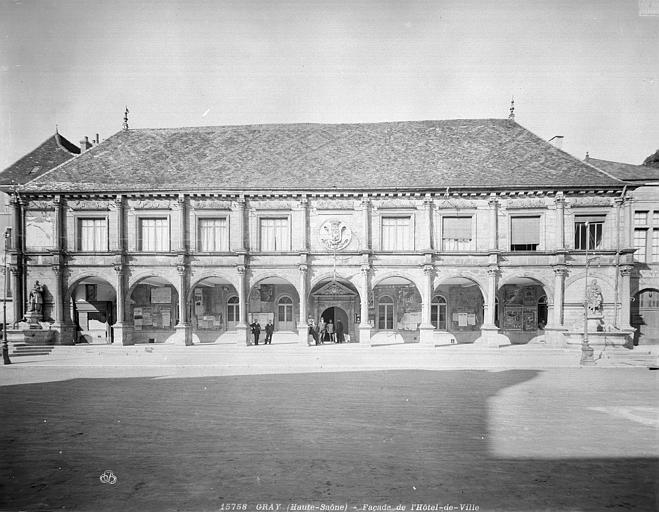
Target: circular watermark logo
108 477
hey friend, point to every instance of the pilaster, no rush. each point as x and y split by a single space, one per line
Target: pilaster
364 326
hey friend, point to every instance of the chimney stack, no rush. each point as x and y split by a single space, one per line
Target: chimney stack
85 144
557 141
97 140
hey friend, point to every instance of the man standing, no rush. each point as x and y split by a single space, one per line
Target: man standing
257 332
269 329
339 331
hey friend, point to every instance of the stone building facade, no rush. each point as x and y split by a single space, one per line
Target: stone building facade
432 232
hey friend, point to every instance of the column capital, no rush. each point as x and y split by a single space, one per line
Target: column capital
428 269
240 269
560 270
365 269
303 268
559 200
181 269
493 200
118 268
57 269
494 272
626 270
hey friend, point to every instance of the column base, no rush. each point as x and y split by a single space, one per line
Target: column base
587 355
365 334
491 337
123 333
65 334
555 336
303 334
427 335
243 339
182 336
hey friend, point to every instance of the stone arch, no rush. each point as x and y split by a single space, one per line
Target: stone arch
93 308
353 278
232 278
415 279
447 277
534 276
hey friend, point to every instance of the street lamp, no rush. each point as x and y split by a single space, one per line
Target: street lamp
5 346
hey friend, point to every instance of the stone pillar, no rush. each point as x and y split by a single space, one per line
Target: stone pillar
554 331
242 327
627 228
626 298
560 220
240 209
366 223
302 326
490 335
426 329
494 222
364 326
426 242
183 233
183 334
120 243
123 330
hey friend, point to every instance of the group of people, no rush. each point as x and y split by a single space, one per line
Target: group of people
255 329
322 332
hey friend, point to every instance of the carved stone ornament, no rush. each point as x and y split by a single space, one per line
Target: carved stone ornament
82 204
335 235
459 204
150 204
39 205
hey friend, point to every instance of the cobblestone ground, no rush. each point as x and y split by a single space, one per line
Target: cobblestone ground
559 439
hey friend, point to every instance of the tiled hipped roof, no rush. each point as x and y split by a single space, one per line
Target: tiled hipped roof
417 155
51 153
627 172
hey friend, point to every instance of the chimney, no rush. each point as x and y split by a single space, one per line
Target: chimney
85 144
557 141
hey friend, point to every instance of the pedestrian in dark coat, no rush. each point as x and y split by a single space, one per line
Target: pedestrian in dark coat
257 332
269 329
339 331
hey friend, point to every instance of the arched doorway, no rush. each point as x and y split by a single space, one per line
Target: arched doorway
396 311
274 299
457 306
337 300
645 317
336 315
93 310
153 309
524 312
215 309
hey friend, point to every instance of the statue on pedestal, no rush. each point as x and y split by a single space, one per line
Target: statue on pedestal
35 304
594 299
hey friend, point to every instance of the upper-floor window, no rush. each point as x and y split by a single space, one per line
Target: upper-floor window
275 234
93 234
456 233
640 244
153 234
213 234
524 233
588 231
640 218
396 234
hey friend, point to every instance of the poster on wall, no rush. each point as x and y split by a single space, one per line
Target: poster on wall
39 229
267 292
512 318
166 316
161 295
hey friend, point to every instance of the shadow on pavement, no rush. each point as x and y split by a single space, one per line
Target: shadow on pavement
381 437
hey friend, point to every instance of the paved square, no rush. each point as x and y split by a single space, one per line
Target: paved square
563 439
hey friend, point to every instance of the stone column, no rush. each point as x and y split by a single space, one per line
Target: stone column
120 243
240 209
627 228
426 329
554 331
242 327
183 334
490 335
122 329
302 327
560 220
626 298
364 326
366 222
494 222
183 234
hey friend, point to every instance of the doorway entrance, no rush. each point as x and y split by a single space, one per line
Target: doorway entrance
336 314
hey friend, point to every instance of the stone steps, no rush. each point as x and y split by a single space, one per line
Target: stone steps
23 349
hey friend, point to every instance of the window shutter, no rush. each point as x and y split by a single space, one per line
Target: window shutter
525 230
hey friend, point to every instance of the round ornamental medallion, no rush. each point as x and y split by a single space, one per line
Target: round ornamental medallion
335 235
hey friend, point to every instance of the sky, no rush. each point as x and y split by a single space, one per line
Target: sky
587 70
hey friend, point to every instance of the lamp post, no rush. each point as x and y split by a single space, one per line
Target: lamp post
5 346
